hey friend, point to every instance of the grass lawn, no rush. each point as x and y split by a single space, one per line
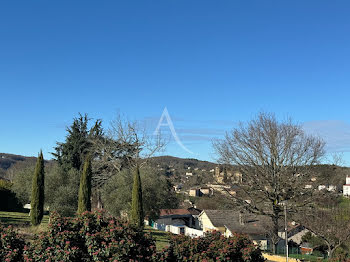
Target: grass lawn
18 219
21 221
161 237
308 257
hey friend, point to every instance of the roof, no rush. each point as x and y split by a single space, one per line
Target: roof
169 212
180 212
194 211
253 224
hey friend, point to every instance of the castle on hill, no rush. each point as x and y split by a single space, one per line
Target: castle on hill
222 175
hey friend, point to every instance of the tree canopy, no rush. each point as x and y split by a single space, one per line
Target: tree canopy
157 193
273 157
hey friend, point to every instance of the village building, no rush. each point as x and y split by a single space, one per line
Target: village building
186 217
194 192
222 175
346 187
202 191
295 232
229 222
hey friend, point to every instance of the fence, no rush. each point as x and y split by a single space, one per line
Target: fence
193 232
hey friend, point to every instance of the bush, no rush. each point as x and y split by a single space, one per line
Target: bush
62 190
90 237
9 201
212 247
11 245
97 237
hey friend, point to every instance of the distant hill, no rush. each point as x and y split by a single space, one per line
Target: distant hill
330 174
182 163
326 174
8 160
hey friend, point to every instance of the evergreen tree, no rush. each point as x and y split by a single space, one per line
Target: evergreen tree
78 143
37 200
137 216
84 202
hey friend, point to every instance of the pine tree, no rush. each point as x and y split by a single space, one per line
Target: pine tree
137 216
78 143
84 203
37 200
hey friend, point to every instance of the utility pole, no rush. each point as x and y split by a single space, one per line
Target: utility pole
286 229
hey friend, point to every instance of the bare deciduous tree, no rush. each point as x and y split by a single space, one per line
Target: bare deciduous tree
337 159
273 158
125 144
332 225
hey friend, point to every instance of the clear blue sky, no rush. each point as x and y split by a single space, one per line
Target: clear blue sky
211 63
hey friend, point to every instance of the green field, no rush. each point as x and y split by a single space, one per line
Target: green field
18 219
161 237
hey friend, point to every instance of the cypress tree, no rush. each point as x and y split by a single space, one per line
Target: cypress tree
84 203
37 199
137 216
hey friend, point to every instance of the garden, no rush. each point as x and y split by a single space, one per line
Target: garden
96 236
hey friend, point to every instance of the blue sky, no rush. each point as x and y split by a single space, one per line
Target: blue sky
211 63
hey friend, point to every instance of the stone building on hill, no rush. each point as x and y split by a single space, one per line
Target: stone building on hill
223 175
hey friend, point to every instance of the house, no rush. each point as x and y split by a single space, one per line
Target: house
198 192
346 187
295 232
321 187
229 222
330 188
206 191
186 217
194 192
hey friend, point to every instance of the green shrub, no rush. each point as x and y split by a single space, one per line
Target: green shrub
90 237
97 237
212 247
9 201
11 245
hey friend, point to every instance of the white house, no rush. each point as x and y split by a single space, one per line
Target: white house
332 188
321 187
229 222
346 187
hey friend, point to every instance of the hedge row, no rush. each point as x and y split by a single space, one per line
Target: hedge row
97 237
